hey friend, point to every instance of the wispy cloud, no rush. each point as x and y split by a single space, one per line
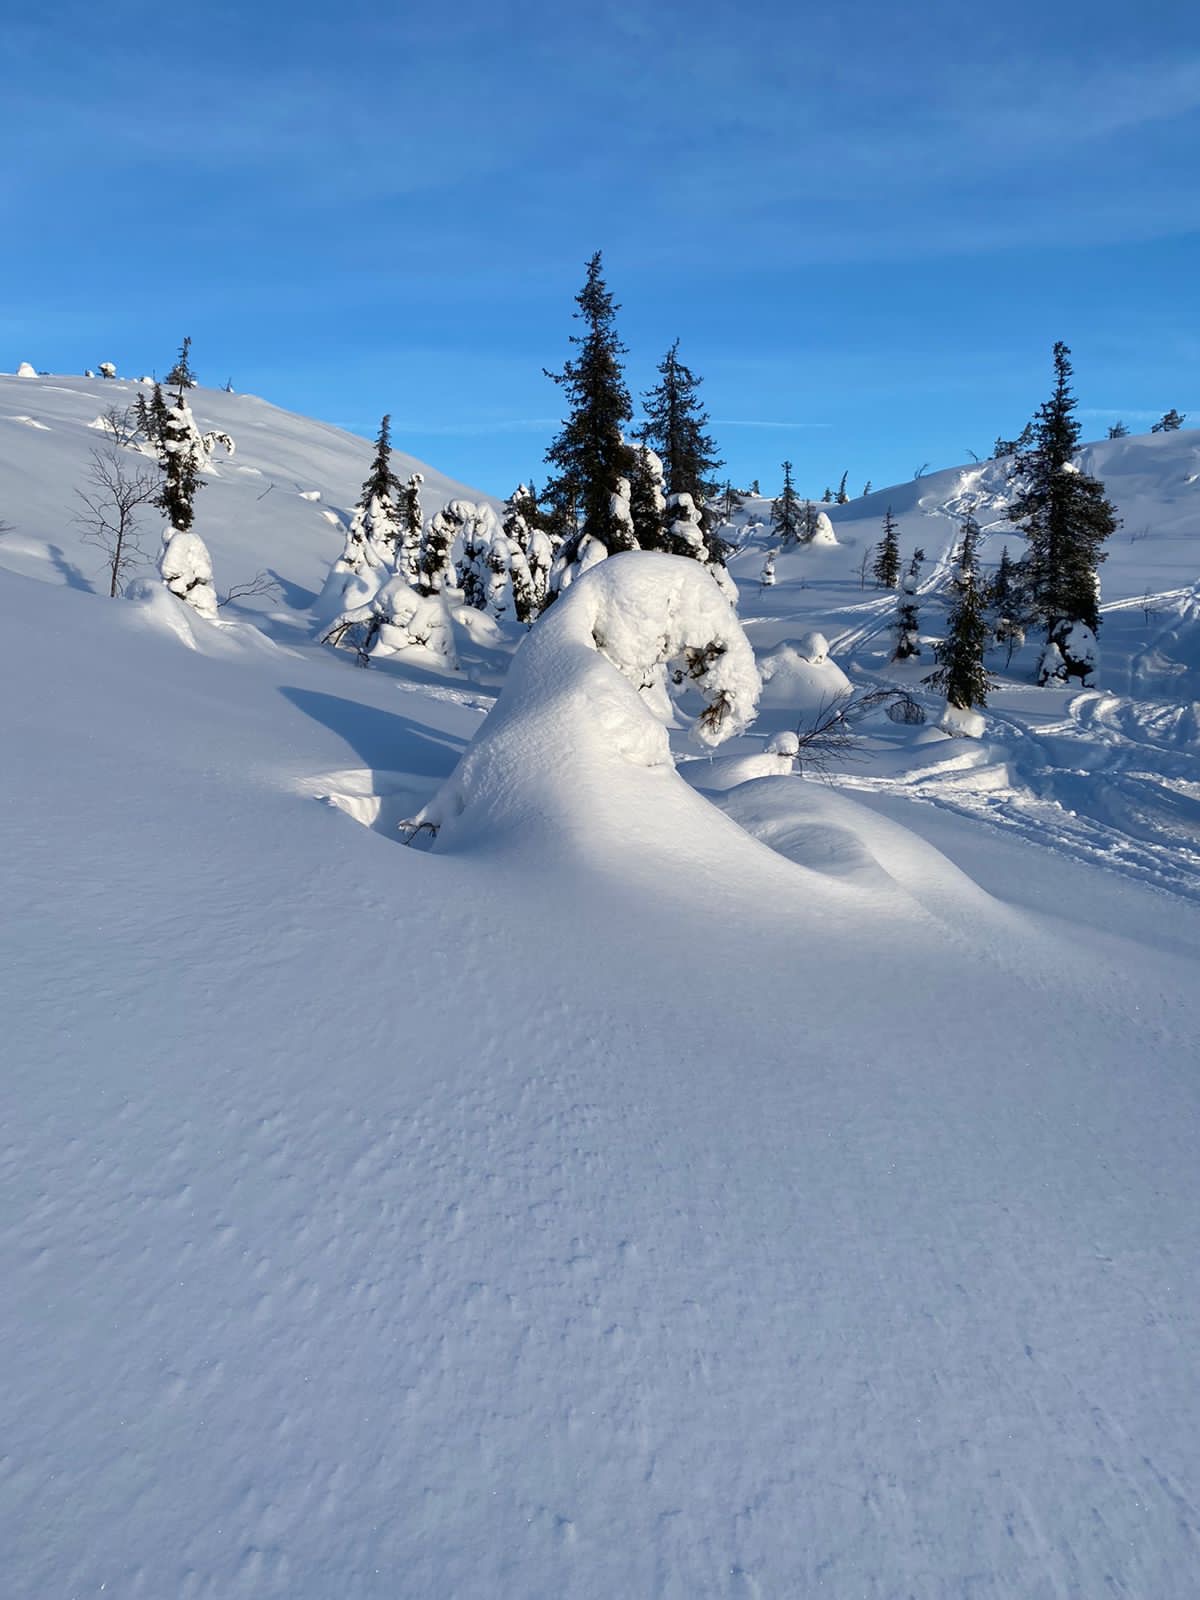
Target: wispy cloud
755 422
500 425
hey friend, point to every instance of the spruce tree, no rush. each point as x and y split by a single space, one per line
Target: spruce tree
675 428
908 621
180 460
866 488
590 452
1063 513
827 497
886 566
960 673
731 501
181 376
647 499
842 497
381 482
1118 430
408 549
1168 423
785 511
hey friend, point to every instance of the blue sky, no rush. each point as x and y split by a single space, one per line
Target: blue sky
867 224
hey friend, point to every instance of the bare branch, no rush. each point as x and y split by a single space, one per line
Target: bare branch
116 489
260 583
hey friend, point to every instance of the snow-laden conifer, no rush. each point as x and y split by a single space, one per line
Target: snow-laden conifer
785 511
907 627
1063 513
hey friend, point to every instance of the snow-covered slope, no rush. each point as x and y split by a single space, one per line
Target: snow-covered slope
279 505
795 1200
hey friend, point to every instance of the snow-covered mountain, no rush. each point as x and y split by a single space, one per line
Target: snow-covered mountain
684 1180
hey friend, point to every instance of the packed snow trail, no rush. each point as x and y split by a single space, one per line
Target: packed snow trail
380 1223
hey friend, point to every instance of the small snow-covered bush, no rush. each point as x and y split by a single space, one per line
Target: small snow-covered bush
186 568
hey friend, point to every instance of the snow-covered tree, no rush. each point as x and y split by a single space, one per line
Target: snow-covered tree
1063 513
676 429
886 567
107 369
530 554
1070 654
477 575
393 621
647 498
767 576
435 563
590 453
186 568
785 511
184 453
908 621
408 551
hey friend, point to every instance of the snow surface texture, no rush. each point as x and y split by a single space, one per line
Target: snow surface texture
638 1198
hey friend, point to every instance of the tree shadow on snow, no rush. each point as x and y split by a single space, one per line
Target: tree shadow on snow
74 577
385 741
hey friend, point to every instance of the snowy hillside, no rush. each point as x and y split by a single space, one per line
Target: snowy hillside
279 505
683 1179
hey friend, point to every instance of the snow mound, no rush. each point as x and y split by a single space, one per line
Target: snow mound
801 675
587 702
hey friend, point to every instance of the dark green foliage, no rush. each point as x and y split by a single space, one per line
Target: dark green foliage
675 428
179 456
1118 430
785 511
808 522
866 488
960 673
181 376
151 418
381 482
1010 447
754 490
1169 422
730 502
1062 511
827 497
842 497
968 549
886 566
647 503
908 621
590 453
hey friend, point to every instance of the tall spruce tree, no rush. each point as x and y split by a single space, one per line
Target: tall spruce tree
1063 513
786 516
381 482
590 453
842 496
676 429
960 673
886 566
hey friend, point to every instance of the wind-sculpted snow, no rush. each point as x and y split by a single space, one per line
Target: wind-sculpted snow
587 699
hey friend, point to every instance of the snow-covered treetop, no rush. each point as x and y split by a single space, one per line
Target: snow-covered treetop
587 694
